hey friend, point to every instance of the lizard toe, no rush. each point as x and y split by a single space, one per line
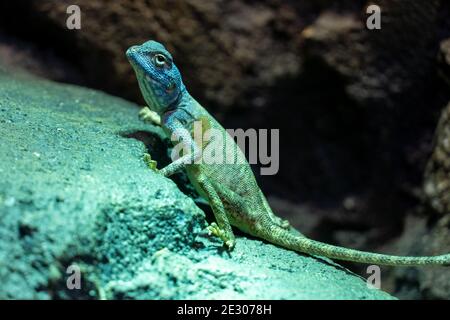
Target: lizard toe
230 244
285 224
152 164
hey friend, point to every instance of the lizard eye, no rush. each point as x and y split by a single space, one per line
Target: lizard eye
159 60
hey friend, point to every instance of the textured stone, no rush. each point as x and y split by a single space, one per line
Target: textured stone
437 175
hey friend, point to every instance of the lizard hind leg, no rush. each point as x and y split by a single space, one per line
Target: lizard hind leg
282 223
221 229
235 198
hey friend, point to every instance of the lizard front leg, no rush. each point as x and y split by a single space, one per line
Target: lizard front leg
183 136
147 115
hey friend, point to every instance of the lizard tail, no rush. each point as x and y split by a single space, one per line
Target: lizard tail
302 244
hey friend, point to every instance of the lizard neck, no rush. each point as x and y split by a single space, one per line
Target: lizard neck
184 102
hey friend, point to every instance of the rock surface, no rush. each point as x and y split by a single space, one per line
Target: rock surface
421 237
437 175
426 231
76 191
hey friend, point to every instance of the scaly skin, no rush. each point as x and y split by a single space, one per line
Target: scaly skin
230 189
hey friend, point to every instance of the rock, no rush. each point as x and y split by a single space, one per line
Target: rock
75 191
248 42
430 283
370 60
437 174
444 60
420 237
16 53
391 74
427 233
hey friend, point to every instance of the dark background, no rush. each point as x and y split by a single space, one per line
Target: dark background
362 163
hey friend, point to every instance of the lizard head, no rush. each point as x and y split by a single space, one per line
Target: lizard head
158 77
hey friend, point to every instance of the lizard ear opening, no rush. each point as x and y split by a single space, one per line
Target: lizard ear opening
171 87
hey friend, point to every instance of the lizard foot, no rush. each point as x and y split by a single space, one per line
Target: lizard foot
215 230
150 162
282 223
148 115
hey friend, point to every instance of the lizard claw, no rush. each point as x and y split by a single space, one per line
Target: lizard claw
212 229
285 224
282 223
215 230
148 115
150 162
230 244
